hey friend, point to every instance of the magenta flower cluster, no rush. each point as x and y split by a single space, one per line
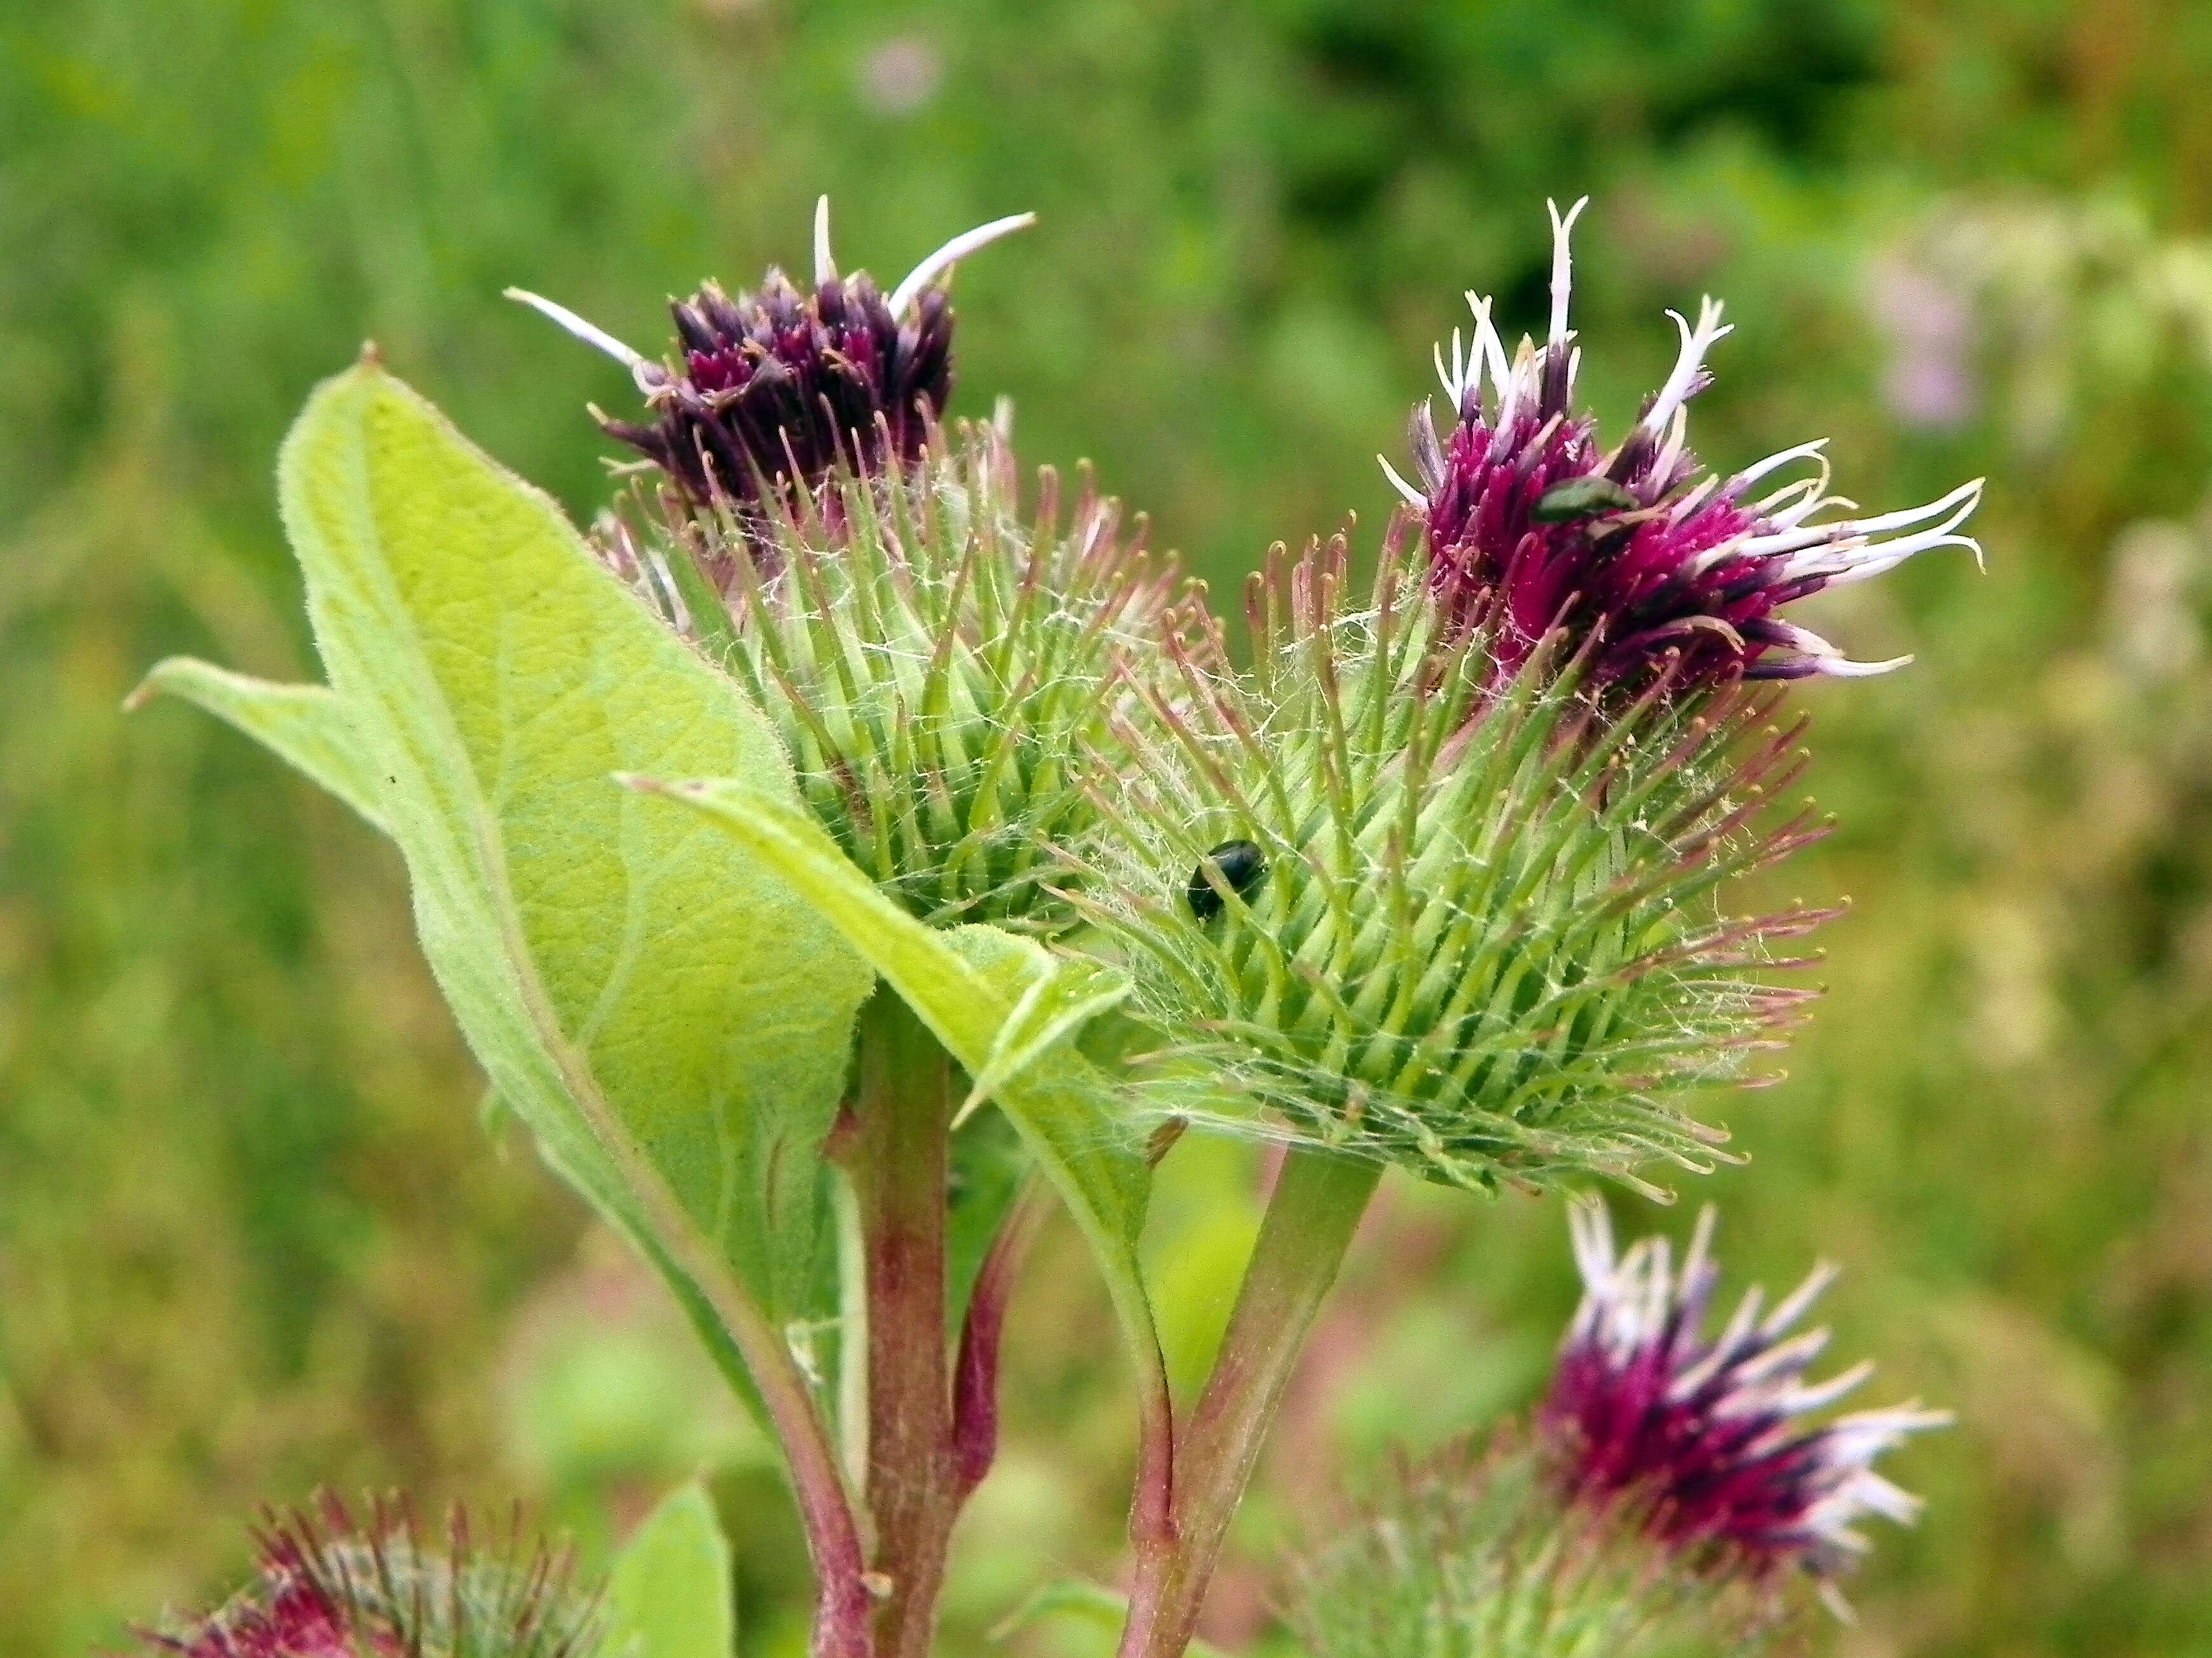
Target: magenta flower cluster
1708 1434
1533 526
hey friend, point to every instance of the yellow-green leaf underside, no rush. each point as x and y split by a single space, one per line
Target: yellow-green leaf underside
634 985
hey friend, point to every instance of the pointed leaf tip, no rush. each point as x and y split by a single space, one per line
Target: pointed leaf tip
306 727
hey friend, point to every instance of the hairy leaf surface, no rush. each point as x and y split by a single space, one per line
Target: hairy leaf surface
660 1009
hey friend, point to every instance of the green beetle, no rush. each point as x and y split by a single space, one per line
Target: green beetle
1581 497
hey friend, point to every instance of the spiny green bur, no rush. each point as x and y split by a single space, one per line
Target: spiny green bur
1470 1553
1486 948
936 665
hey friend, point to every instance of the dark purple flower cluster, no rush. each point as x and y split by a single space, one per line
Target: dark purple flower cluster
780 383
777 384
1533 527
1706 1433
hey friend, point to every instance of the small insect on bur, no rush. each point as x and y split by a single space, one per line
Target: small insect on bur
1240 866
1581 497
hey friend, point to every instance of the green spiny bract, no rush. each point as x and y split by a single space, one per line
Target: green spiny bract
937 665
1486 946
1472 1554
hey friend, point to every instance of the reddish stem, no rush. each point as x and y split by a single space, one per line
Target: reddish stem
900 1169
976 1371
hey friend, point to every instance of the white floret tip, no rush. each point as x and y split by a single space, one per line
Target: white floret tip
1561 265
1682 384
1413 497
825 267
940 263
648 374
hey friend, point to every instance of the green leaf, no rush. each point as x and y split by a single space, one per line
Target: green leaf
671 1020
305 726
669 1594
1053 1006
965 985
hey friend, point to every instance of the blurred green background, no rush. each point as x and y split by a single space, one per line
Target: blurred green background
252 1235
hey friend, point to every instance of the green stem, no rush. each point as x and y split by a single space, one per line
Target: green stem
1318 1200
900 1170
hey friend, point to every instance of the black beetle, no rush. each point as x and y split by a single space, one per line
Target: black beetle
1242 867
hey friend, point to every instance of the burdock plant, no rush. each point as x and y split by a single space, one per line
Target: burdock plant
834 857
1483 814
1484 950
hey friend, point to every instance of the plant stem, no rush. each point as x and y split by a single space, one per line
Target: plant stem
675 1243
900 1170
1318 1200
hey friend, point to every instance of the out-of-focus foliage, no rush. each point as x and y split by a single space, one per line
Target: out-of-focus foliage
1468 1553
251 1233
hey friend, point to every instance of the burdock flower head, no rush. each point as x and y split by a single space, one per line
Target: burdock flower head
932 658
1412 910
935 660
1709 1436
786 383
1651 1507
338 1587
1532 524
